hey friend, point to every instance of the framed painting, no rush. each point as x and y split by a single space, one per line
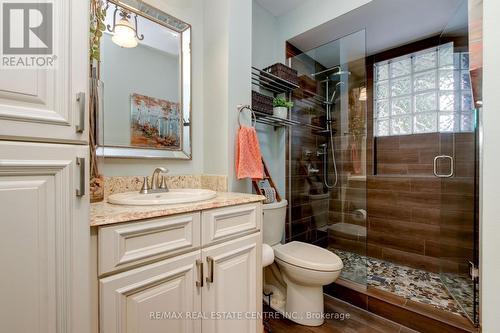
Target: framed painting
155 123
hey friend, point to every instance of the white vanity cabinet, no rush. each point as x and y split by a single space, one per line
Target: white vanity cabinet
50 105
170 274
44 242
44 176
139 301
233 285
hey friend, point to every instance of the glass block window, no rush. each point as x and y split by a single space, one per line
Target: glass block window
424 92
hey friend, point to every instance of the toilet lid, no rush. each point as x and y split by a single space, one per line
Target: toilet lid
308 256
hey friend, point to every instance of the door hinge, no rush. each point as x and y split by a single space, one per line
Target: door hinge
473 271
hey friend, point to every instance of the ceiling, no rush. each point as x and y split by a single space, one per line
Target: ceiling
388 24
279 7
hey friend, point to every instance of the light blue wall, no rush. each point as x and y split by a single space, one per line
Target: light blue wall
228 56
264 53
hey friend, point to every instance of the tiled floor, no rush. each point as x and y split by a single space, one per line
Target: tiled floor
349 319
414 284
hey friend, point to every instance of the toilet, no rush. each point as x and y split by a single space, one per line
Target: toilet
299 272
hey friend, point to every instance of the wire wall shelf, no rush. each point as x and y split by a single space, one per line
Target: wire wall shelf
271 82
268 119
277 86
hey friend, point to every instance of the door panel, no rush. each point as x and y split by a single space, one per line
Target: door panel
233 285
41 105
459 196
45 239
139 300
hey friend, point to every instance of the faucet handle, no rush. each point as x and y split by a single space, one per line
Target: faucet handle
163 183
145 186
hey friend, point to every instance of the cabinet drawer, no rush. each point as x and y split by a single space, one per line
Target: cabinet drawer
228 222
125 245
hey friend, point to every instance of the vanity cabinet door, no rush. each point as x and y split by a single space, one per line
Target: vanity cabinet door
41 104
157 298
233 285
44 240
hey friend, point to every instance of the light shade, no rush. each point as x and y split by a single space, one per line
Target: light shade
124 34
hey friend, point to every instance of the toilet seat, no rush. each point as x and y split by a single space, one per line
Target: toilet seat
308 256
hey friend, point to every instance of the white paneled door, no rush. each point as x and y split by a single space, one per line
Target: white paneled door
157 298
233 283
44 240
51 105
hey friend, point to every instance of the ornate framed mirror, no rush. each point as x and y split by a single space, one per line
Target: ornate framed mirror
145 83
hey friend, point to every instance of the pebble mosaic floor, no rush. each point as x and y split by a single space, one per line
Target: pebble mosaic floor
410 283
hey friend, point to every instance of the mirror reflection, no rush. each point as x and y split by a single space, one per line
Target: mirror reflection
145 69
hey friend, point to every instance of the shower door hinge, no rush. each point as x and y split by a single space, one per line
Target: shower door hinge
473 271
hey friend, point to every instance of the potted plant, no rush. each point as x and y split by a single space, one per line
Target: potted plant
280 107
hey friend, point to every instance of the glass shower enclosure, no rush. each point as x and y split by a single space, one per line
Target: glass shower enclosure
327 164
386 175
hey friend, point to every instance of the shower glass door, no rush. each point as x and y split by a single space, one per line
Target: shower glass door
327 158
456 167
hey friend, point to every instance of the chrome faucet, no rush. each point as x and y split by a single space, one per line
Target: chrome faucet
158 182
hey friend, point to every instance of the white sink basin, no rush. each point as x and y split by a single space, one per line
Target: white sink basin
174 196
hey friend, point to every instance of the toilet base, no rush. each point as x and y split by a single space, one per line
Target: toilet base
304 305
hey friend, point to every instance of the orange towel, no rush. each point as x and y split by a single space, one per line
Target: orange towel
248 157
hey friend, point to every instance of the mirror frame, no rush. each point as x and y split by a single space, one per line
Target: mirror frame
184 29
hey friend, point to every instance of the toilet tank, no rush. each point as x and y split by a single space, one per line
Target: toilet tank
274 222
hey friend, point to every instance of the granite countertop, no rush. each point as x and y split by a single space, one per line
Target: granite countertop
104 213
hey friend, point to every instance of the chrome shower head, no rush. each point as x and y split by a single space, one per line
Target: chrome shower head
340 83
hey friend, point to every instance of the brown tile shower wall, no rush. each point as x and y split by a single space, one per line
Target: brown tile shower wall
410 155
305 216
415 218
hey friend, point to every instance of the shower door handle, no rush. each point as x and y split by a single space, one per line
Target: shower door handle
452 166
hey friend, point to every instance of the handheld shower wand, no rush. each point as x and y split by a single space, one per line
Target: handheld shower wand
329 128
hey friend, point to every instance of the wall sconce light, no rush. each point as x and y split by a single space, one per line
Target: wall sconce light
125 35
